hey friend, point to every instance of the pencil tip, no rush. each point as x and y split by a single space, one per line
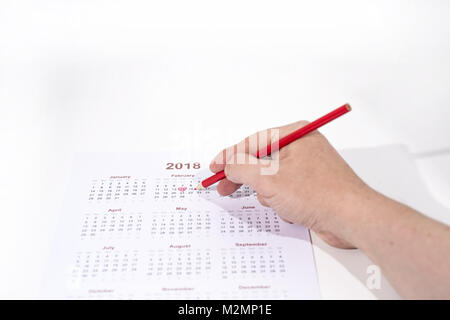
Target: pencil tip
199 187
349 108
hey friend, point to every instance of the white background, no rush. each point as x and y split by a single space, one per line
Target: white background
150 75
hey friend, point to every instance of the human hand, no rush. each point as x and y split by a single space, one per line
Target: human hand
313 185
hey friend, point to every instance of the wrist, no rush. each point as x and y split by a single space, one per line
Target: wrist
357 214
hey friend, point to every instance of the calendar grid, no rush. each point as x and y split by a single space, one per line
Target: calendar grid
154 236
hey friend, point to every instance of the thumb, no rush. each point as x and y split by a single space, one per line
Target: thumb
247 171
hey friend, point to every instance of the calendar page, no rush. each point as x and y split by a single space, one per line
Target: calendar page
134 227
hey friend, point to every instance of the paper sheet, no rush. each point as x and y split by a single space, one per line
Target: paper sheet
134 227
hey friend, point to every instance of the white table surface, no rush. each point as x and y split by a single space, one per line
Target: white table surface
139 75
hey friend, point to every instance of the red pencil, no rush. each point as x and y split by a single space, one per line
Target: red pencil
284 141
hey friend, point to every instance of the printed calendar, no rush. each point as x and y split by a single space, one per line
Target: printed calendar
133 226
